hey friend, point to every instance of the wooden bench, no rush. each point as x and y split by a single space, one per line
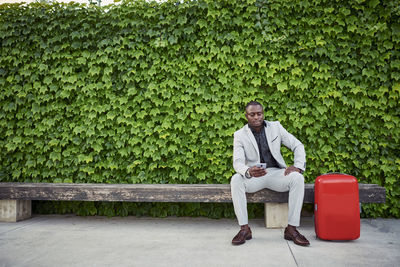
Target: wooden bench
15 198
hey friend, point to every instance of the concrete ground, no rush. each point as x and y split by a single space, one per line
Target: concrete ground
68 240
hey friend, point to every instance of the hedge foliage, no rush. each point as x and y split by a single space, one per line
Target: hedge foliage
146 92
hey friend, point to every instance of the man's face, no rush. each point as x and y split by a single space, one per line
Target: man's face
255 116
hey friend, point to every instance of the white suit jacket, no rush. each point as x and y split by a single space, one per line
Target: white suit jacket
245 148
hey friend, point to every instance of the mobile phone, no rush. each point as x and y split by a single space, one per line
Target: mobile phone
261 165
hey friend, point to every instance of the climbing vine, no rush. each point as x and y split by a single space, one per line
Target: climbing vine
147 92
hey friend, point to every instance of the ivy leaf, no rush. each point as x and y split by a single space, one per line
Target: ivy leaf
282 87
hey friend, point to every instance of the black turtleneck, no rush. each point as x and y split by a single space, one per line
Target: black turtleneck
263 148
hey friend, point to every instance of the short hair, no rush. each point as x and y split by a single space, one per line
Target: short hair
253 103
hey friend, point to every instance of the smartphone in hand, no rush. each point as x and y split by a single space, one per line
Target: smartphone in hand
261 165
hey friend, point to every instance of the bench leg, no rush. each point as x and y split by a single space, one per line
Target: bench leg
276 215
15 210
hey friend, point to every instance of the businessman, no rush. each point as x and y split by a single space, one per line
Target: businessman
260 141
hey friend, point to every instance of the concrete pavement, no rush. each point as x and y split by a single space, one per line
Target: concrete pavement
69 240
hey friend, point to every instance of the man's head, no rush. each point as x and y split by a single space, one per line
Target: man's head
254 114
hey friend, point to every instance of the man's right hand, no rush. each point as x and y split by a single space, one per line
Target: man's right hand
257 172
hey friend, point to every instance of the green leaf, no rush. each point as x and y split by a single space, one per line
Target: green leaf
282 87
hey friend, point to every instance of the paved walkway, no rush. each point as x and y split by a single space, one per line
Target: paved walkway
68 240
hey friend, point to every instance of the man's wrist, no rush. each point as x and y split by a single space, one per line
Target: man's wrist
247 174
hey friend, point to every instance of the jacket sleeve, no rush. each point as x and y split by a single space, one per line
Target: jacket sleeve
296 146
239 157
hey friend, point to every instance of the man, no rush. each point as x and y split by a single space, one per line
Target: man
259 142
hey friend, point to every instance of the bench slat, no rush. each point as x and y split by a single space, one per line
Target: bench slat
369 193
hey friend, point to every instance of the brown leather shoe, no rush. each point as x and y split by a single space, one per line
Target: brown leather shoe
243 235
297 238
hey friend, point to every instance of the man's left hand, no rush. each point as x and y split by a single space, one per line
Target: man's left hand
290 169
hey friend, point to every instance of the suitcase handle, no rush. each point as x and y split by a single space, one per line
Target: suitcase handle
335 173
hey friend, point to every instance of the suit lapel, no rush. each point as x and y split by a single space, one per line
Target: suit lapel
268 134
252 139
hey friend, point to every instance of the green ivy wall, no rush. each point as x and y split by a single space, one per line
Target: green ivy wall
153 92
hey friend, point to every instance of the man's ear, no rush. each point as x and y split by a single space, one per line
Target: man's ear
245 114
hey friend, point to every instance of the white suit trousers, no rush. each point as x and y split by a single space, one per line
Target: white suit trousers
274 180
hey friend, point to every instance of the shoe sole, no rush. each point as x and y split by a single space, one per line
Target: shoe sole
300 244
247 238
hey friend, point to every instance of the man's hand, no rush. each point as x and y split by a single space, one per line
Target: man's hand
257 172
291 169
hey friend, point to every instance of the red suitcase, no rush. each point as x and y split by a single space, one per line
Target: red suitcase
336 207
